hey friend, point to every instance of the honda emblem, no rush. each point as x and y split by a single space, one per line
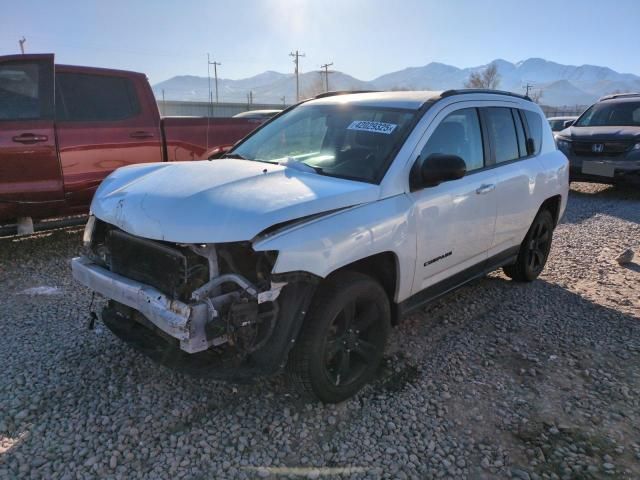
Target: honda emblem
597 148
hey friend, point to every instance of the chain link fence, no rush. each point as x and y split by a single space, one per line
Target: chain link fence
563 111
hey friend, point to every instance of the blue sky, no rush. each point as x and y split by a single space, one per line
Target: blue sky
364 38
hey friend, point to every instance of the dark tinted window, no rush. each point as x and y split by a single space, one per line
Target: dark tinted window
502 131
21 91
458 134
557 125
535 128
522 140
83 97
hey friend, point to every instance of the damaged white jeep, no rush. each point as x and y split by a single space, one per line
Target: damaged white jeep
314 234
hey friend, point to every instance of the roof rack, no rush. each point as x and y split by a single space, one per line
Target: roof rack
461 91
343 92
619 95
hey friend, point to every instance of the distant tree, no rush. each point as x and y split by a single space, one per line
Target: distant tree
401 89
487 78
312 87
536 95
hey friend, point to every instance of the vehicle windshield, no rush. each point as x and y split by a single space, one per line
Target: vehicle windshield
617 114
346 141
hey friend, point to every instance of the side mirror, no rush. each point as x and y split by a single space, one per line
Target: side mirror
568 123
440 167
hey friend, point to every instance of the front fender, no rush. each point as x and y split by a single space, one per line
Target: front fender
328 243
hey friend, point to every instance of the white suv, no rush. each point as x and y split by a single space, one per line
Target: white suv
317 232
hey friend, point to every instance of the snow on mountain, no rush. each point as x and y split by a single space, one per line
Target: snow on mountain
560 84
563 92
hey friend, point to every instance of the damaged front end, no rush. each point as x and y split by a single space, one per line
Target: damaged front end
189 306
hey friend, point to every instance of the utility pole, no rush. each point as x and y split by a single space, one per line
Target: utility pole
210 99
326 75
283 98
296 60
164 106
528 87
215 74
22 42
250 98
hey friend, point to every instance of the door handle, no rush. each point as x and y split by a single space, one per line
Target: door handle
485 188
141 134
30 138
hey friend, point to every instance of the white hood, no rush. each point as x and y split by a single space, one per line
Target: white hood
218 201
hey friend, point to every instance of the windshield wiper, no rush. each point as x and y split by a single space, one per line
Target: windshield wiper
303 167
234 155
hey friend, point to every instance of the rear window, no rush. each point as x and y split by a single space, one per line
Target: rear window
502 131
95 98
557 125
522 140
535 128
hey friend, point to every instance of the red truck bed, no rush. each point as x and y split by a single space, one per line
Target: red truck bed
64 128
195 138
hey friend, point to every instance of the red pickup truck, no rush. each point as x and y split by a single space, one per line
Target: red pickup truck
65 128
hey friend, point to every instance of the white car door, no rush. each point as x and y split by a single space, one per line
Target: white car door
455 220
516 172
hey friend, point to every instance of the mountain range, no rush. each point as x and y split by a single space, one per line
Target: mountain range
559 84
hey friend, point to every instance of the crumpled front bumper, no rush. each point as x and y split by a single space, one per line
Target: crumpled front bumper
186 324
183 322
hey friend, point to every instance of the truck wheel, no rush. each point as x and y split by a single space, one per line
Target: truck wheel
343 337
534 250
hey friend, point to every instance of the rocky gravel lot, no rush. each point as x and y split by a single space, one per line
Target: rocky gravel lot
498 380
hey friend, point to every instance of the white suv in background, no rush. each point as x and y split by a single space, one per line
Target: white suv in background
321 229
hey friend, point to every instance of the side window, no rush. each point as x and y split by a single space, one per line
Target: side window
21 91
458 134
95 98
522 140
502 131
535 128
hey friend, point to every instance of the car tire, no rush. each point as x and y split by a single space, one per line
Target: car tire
343 337
534 250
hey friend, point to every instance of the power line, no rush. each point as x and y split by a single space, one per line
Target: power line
326 75
296 60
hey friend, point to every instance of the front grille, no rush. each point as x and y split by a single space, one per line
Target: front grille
609 149
175 271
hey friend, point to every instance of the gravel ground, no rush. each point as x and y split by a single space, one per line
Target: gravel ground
497 380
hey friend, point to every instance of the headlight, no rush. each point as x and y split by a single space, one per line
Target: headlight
636 146
88 231
563 145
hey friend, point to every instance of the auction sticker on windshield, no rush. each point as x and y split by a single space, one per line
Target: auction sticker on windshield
376 127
